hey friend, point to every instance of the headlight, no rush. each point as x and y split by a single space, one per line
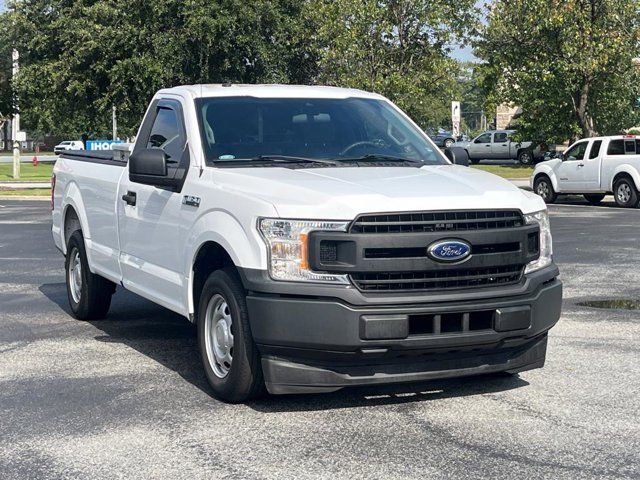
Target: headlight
546 250
288 244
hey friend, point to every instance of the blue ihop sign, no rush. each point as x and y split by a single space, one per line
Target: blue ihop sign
102 144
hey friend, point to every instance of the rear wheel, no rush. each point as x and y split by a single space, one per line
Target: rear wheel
593 198
229 355
89 294
625 193
525 157
544 188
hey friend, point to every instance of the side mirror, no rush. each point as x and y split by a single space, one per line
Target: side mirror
457 155
149 166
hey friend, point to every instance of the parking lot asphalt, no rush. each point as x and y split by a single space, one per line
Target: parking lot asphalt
126 397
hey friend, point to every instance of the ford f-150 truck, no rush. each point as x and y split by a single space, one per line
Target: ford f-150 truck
316 237
593 167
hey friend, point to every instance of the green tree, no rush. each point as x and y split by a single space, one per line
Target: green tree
399 48
81 57
568 63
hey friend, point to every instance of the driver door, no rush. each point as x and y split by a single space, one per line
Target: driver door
569 172
480 147
154 228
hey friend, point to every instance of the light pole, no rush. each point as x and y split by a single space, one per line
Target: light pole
15 122
114 123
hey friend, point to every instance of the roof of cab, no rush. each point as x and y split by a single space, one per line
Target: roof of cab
267 91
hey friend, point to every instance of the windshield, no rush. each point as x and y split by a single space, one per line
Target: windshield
239 128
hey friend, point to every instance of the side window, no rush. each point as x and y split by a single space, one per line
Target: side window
500 137
484 138
629 147
595 149
576 152
616 147
166 133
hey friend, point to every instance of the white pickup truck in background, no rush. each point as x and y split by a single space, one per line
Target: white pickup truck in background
593 167
316 236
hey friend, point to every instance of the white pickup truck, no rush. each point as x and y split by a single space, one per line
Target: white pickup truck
316 236
593 167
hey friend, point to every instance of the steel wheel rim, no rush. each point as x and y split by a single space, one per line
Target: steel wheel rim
75 275
219 335
543 189
525 158
624 193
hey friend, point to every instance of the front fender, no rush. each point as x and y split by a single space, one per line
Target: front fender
244 246
545 170
629 170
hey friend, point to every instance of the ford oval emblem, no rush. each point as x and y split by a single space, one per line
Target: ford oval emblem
449 250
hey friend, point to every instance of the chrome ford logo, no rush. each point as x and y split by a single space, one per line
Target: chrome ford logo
449 250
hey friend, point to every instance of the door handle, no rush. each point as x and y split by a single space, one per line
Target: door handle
580 165
130 198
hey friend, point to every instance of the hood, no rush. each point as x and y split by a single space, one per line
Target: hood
345 192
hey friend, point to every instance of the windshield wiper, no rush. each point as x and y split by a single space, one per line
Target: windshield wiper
289 159
374 157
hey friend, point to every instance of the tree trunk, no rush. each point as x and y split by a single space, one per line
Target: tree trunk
580 102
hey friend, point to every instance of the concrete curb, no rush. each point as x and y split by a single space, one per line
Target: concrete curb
41 198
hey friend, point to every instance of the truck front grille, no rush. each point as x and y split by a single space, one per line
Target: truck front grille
438 280
451 221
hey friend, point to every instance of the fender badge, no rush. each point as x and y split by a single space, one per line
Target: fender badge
191 200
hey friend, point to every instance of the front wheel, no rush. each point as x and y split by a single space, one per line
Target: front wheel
89 294
625 193
594 198
229 355
525 157
544 188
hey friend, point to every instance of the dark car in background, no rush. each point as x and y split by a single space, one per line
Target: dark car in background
445 138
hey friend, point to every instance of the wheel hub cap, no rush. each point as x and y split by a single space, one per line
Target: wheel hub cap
219 336
624 193
75 275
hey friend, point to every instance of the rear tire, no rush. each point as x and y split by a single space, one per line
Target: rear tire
544 188
594 198
525 157
89 294
229 355
625 193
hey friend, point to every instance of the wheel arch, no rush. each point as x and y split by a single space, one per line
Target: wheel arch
625 171
545 171
73 215
211 256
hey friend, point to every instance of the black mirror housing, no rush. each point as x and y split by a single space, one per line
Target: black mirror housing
149 167
457 155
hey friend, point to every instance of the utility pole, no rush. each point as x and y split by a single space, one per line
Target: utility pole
114 123
15 122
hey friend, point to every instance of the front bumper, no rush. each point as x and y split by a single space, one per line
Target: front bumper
323 343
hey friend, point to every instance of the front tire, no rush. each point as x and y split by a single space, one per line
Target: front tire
544 188
89 294
230 357
625 193
594 198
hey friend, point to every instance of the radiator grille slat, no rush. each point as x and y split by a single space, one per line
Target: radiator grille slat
445 280
437 221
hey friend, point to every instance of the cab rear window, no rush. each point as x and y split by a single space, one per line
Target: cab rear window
623 147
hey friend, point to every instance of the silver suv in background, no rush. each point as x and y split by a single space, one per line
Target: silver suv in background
497 145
